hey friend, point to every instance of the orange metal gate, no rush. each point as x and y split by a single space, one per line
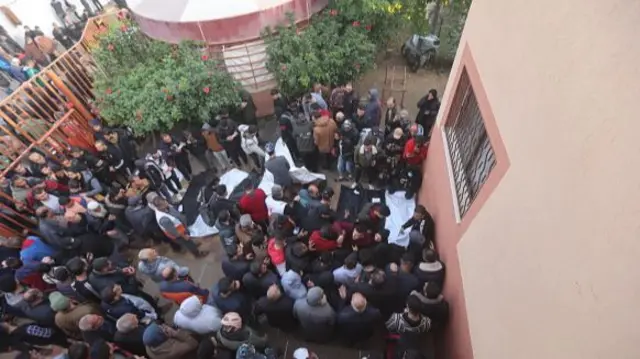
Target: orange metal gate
48 113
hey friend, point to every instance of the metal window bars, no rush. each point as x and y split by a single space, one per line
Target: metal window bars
472 157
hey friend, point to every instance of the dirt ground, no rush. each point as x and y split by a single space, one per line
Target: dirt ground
416 85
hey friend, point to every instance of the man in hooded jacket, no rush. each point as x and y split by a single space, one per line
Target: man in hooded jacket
373 110
197 317
316 316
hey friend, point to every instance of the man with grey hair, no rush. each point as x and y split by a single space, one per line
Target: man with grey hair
94 328
129 332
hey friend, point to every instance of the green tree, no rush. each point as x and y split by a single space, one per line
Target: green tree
150 85
382 18
328 51
450 17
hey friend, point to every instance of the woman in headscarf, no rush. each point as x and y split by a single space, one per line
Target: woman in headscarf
428 108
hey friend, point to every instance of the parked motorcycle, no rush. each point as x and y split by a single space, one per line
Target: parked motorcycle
419 50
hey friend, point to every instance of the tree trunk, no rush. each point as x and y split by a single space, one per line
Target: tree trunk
433 16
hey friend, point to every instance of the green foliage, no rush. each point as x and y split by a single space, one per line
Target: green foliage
150 85
328 51
383 17
415 14
454 14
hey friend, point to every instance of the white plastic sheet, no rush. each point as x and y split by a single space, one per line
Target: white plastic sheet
234 177
231 179
401 210
299 174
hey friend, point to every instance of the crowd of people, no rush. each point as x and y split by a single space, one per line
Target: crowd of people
21 61
291 261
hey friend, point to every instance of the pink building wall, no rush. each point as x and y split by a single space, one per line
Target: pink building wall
544 264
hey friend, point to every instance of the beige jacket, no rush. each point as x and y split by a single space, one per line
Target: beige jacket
177 347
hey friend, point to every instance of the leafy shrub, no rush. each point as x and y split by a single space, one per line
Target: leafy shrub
382 18
327 51
150 85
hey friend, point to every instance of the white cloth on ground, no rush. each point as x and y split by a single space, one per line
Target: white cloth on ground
401 211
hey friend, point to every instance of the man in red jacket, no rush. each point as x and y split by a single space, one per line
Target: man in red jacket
325 239
354 235
415 153
253 203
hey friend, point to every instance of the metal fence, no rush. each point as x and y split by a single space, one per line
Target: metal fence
49 114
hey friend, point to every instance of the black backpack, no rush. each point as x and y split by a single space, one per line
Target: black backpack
303 133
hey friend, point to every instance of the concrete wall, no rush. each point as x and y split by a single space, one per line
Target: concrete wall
544 264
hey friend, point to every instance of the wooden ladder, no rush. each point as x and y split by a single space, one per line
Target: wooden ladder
394 84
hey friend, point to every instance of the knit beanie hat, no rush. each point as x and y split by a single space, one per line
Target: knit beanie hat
153 335
58 302
314 295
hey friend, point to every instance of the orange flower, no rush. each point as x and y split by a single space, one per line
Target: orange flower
206 90
205 57
124 28
165 90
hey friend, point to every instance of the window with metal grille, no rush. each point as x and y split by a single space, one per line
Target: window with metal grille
472 157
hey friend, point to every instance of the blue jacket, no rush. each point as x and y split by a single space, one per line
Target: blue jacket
121 307
236 302
179 290
34 249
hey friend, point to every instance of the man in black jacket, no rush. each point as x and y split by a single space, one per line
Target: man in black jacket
114 160
230 139
38 308
381 292
219 202
421 229
114 305
277 308
258 280
105 273
129 334
279 103
357 322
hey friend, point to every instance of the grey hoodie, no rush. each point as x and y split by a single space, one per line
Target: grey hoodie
316 317
154 268
292 285
197 317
